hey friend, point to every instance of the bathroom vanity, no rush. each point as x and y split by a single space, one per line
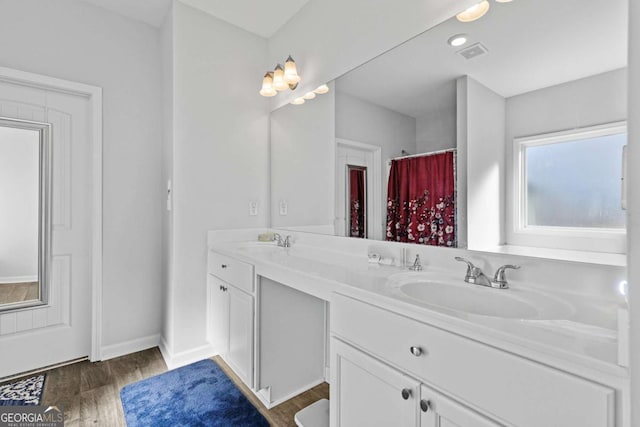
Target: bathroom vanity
418 348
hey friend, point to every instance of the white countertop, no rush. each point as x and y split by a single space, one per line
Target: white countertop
584 343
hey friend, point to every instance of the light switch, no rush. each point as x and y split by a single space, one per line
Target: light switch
253 208
284 207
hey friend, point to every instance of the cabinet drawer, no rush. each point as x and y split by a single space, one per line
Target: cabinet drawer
504 386
237 273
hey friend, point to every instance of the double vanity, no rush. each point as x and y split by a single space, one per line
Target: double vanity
419 348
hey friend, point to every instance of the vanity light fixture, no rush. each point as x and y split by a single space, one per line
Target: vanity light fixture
457 40
267 85
309 95
504 1
476 11
322 89
281 78
298 101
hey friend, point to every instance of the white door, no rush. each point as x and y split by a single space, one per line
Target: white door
440 411
240 355
366 392
61 330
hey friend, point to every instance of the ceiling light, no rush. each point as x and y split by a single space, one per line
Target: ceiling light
267 85
298 101
476 11
321 89
504 1
457 40
309 95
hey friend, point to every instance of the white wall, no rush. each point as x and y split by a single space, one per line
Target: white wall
76 41
633 212
303 146
436 130
361 121
219 155
327 38
485 124
19 204
581 103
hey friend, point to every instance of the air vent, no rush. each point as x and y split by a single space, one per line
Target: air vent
473 51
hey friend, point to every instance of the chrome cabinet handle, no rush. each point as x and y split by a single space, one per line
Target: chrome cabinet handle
425 405
416 351
224 266
221 287
406 393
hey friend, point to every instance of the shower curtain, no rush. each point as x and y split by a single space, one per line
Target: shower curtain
357 201
421 200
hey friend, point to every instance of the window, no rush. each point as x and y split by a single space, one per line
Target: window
569 191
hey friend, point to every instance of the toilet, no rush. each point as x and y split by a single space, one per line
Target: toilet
314 415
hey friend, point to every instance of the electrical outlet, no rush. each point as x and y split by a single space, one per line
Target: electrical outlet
284 207
253 208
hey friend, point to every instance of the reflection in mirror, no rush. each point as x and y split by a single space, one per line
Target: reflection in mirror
527 69
23 213
357 201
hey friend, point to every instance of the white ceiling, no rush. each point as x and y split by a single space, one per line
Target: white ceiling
260 17
532 44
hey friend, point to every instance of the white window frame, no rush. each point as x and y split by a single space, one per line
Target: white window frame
611 240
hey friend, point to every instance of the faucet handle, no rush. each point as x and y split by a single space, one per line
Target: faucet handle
500 277
470 267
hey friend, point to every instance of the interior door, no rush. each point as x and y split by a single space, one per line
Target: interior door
60 330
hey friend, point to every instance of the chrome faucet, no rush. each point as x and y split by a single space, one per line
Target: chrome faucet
476 276
416 264
284 243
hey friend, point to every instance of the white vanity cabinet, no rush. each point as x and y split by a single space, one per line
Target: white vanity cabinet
231 311
482 383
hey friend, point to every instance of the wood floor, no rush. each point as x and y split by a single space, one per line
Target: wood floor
90 392
18 292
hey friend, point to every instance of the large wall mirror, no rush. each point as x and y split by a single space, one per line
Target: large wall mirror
465 96
25 170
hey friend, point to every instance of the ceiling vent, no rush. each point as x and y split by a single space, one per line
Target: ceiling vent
473 51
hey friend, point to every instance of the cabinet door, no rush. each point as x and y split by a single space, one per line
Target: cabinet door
366 392
240 355
440 411
218 315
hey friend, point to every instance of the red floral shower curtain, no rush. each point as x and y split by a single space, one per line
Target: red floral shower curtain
357 202
421 200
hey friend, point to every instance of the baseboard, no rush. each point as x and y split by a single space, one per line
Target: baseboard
131 346
18 279
264 395
176 360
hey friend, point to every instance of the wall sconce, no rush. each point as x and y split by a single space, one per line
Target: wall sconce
320 90
280 78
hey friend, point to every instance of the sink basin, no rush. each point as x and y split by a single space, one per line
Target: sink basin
510 303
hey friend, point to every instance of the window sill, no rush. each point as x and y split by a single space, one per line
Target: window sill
601 258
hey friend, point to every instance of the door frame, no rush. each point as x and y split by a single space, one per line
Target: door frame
94 95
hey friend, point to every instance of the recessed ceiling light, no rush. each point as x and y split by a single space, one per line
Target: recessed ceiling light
476 11
457 40
298 101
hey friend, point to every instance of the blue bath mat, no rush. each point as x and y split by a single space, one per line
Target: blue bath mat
199 394
24 392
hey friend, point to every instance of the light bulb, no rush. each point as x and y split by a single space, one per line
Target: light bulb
290 72
298 101
267 85
504 1
309 95
279 83
476 11
322 89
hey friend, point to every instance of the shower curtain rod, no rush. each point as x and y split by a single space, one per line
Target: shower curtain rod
430 153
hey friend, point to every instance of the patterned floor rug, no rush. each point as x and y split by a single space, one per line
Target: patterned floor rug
22 392
199 394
